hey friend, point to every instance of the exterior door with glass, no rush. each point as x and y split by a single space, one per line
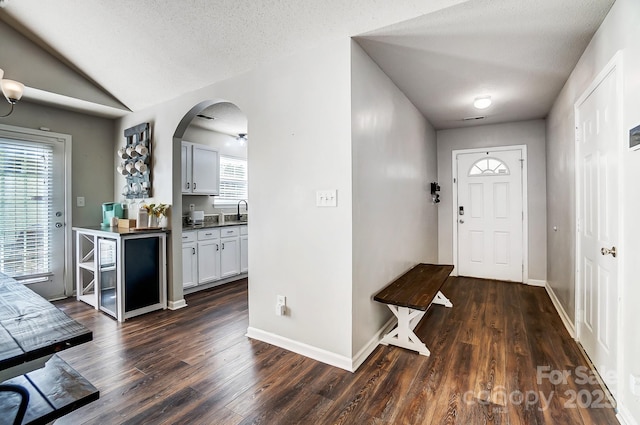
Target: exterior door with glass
32 209
489 214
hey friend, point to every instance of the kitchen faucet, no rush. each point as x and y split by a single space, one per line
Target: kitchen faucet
246 208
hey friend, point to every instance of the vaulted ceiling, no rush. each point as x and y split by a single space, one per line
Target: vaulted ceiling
124 55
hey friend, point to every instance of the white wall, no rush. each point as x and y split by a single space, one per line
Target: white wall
299 111
619 31
394 220
225 145
530 133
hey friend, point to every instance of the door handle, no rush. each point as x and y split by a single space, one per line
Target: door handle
606 251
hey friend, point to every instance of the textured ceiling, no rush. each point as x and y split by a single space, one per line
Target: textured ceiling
441 53
520 52
147 51
227 119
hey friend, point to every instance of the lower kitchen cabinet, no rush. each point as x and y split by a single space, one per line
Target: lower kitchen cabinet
189 259
230 254
244 249
211 254
208 261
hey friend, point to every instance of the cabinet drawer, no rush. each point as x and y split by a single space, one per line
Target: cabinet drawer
207 234
244 230
228 232
188 237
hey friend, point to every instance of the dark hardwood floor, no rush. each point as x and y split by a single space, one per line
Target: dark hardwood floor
496 357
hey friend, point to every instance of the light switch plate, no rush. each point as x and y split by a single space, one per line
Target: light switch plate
327 198
634 383
80 201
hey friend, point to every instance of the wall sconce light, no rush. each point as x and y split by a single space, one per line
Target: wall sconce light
12 91
482 102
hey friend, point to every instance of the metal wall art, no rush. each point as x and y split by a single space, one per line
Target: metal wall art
135 162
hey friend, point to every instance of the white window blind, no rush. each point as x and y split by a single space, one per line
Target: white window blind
233 180
26 186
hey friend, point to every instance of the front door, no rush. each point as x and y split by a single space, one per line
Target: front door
597 174
32 210
489 214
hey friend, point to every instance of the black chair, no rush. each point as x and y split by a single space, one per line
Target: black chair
24 400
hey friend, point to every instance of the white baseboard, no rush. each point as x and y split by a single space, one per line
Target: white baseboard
624 416
366 351
306 350
175 305
319 354
568 324
536 282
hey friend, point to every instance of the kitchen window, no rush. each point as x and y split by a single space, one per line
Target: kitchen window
233 180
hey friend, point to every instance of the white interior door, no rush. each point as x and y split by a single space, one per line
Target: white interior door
32 211
597 173
490 214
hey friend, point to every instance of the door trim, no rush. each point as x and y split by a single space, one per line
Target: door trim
525 216
615 64
65 139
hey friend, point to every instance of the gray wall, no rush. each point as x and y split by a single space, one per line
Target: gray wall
92 154
619 32
530 133
394 221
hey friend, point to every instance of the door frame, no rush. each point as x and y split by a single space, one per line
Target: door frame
615 64
65 139
525 215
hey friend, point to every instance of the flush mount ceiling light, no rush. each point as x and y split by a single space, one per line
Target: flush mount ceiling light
12 91
242 138
482 102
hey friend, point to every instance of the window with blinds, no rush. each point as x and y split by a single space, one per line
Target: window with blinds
233 180
26 203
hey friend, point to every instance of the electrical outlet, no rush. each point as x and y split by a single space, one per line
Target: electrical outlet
326 198
80 201
192 207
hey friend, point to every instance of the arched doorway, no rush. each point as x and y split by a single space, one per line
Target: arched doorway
215 129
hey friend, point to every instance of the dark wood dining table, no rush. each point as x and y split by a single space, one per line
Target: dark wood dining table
32 330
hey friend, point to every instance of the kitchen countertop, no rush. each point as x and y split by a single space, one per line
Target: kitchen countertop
119 231
213 225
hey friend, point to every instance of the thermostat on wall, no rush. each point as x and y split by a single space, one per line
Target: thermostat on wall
634 138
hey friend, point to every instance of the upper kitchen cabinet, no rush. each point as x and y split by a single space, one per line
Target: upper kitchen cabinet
200 165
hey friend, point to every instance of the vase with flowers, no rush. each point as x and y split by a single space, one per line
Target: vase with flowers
157 214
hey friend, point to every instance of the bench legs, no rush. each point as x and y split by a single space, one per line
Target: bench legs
441 300
402 335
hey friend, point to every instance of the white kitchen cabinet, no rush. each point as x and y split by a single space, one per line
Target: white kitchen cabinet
244 249
189 260
185 168
199 169
213 254
230 251
208 255
189 264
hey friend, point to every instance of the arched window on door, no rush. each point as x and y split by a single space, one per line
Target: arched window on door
488 166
